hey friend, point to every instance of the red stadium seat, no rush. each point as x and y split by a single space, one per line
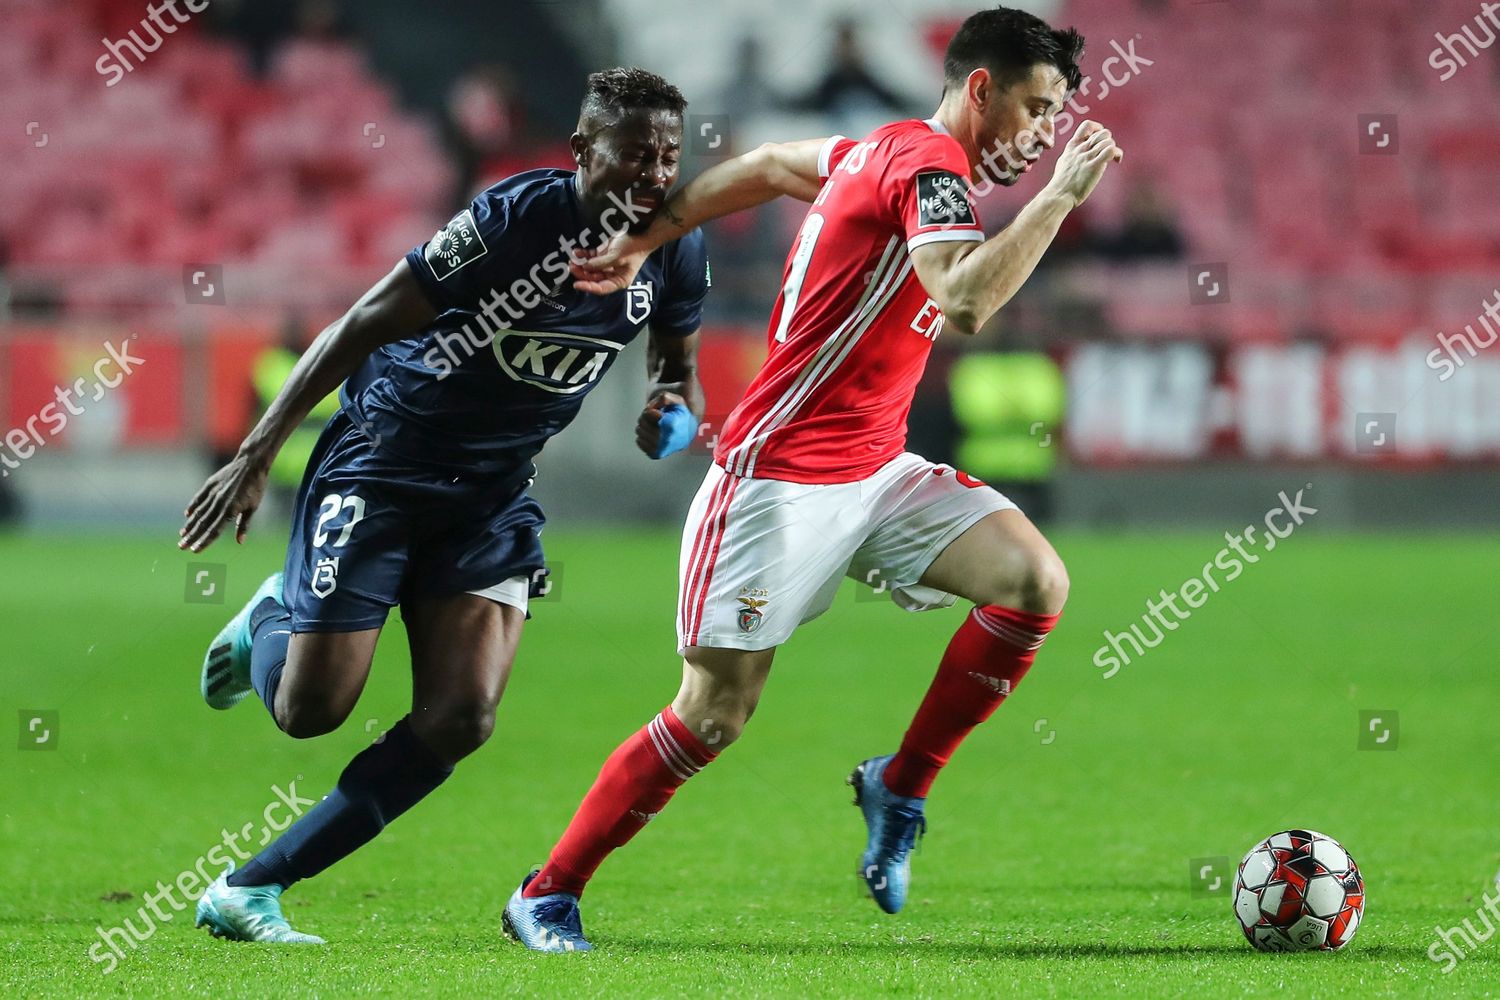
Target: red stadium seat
158 196
1287 185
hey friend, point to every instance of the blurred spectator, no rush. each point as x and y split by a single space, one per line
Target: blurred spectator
1008 411
271 31
318 21
746 92
10 507
317 47
848 89
1148 231
5 297
482 122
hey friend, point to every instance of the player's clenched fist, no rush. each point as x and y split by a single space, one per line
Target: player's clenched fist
665 426
1083 161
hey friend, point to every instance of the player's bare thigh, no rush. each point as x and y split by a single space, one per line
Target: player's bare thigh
462 649
720 689
323 677
1002 559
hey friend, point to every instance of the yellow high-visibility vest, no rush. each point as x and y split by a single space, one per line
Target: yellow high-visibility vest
1009 409
272 368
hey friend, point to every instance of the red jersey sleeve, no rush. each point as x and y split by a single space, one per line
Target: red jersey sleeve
832 154
927 182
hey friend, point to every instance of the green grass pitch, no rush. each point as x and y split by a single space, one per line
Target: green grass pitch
1061 836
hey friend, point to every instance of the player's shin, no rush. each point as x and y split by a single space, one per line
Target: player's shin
985 660
271 628
382 782
633 786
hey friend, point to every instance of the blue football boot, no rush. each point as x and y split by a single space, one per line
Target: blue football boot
546 923
894 822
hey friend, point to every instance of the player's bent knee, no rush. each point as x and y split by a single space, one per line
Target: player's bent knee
455 730
720 689
716 715
1046 587
1038 584
308 720
724 722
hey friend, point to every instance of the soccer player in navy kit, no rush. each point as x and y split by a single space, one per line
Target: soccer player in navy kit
456 368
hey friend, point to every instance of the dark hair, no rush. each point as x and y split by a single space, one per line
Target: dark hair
612 93
1008 43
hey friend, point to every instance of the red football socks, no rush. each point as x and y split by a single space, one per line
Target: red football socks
986 659
633 786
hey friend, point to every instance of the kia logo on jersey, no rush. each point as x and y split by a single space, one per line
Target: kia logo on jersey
563 363
638 301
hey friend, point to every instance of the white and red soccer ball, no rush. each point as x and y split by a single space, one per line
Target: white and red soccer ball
1299 891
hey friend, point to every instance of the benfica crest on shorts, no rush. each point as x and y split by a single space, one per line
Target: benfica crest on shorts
751 615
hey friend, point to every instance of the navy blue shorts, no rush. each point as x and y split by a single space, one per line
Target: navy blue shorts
371 530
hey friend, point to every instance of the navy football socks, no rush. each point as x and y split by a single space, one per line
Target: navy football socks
271 634
379 784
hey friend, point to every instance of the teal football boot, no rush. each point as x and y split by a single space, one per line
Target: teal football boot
226 666
247 913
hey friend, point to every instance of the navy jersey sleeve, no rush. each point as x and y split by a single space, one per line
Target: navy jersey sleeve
688 281
477 251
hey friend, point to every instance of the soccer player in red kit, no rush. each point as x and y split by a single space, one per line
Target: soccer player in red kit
811 482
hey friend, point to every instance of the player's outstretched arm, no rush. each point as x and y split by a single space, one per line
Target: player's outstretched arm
766 172
971 281
392 310
754 178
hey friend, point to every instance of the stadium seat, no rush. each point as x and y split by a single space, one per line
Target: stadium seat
158 196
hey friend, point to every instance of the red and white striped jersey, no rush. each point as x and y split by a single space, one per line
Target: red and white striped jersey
853 327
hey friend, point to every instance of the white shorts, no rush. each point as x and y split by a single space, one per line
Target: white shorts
762 556
513 592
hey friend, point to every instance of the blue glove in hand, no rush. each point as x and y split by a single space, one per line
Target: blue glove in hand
676 431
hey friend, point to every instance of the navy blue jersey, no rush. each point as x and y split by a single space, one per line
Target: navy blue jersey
515 348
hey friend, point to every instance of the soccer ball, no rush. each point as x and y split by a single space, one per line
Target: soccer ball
1299 891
